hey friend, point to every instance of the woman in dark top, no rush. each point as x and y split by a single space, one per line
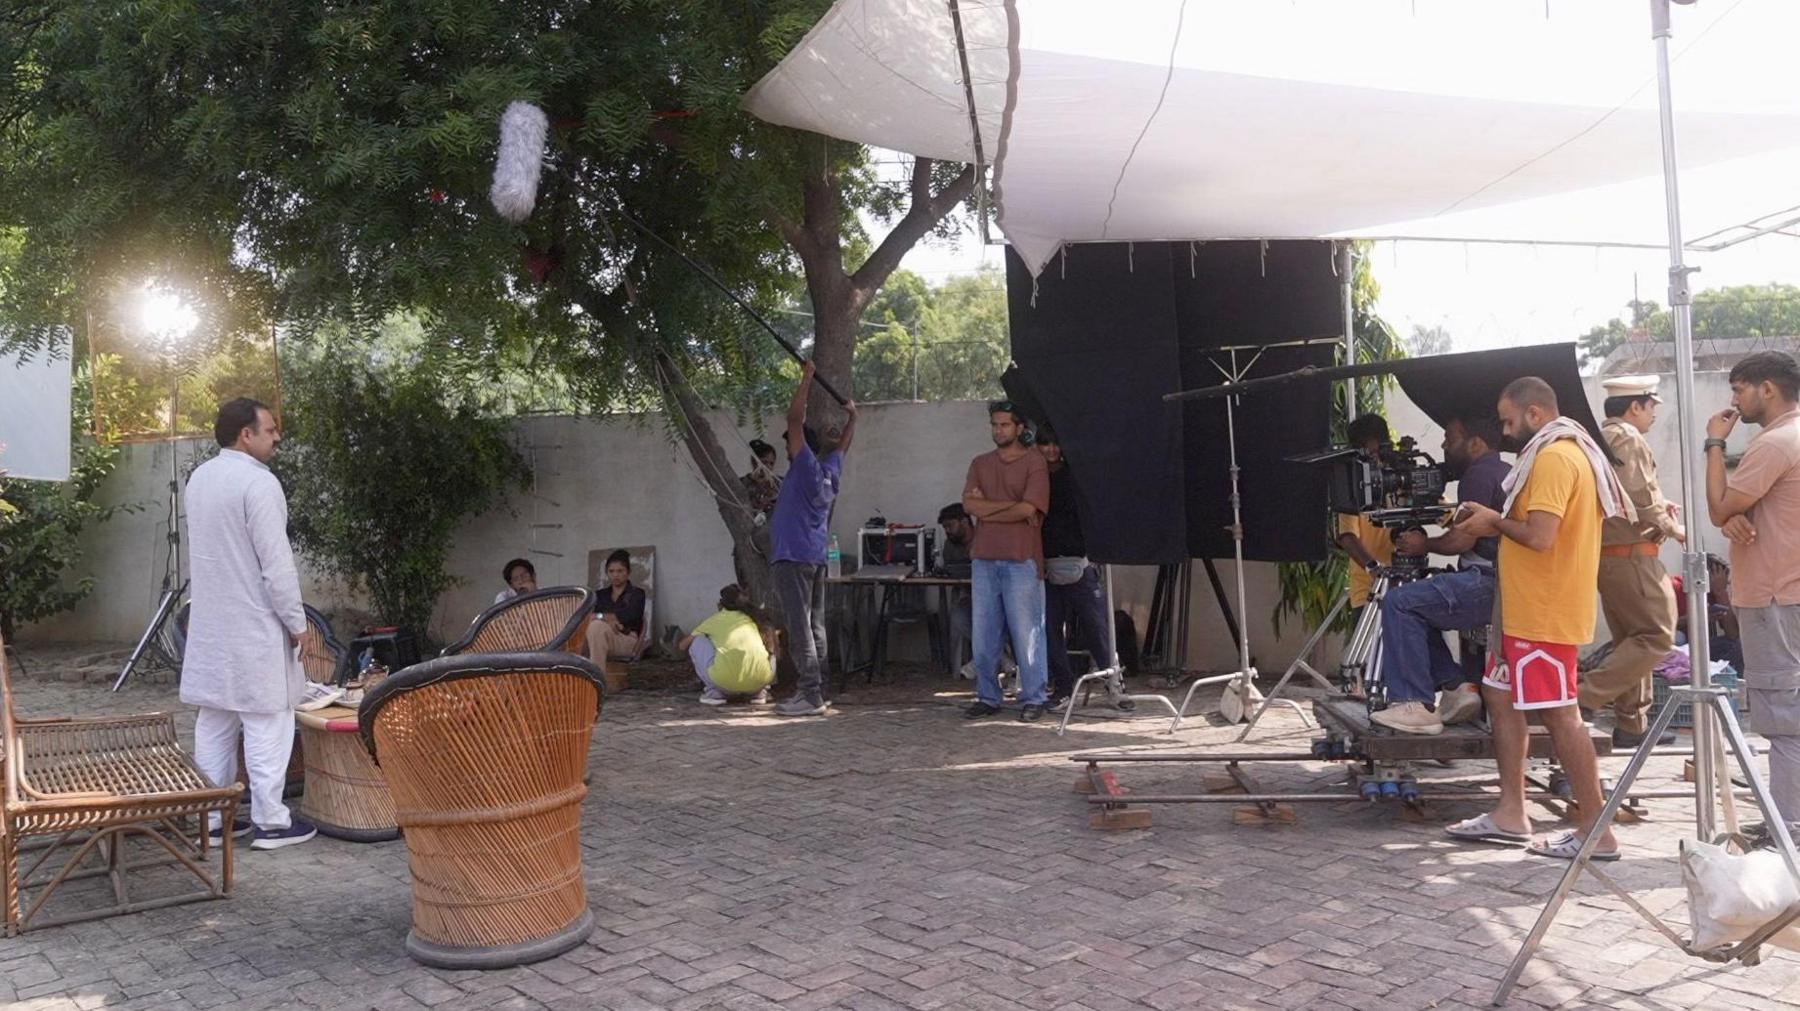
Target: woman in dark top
618 613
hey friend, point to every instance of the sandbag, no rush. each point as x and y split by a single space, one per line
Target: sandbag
1730 894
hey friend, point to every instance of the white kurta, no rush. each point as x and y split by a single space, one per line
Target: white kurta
245 591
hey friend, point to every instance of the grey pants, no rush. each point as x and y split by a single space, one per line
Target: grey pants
800 593
1771 639
1775 714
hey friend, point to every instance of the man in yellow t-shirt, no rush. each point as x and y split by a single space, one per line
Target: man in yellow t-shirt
1367 544
731 652
1549 565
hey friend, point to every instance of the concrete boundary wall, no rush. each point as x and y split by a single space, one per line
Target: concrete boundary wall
612 481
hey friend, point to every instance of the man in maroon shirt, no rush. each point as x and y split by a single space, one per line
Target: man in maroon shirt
1008 492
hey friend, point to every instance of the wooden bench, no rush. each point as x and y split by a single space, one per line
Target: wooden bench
78 789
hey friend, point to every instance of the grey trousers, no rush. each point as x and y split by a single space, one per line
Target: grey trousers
1771 639
1775 714
800 593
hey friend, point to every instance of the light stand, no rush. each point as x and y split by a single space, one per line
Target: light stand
1113 673
1709 703
1345 263
153 642
1235 704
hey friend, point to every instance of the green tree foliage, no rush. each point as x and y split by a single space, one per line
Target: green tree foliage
947 342
1738 311
42 522
315 163
1646 319
382 460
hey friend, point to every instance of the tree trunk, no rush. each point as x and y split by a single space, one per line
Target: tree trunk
702 444
835 319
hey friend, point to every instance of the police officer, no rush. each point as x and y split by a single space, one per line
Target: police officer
1635 594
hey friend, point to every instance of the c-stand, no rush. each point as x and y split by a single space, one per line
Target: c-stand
162 649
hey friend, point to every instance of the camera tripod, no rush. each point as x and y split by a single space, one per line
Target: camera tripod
1361 663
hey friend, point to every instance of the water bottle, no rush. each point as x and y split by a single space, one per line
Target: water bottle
834 559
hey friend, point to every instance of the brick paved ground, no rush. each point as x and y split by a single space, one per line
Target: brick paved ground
892 856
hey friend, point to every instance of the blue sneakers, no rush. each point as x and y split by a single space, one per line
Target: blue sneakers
276 838
240 827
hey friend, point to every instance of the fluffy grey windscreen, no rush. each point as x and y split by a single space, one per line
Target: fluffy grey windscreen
523 127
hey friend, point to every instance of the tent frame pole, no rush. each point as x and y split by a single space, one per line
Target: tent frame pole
1346 271
1695 576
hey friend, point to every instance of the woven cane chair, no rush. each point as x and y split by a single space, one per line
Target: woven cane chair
321 654
84 787
484 755
551 619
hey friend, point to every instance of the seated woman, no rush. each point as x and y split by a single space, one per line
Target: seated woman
520 576
731 652
618 613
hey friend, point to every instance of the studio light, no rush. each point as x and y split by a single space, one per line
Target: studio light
165 314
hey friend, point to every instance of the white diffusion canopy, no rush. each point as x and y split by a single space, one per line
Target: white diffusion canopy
1137 120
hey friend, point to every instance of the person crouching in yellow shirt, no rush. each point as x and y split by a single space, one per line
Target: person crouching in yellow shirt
731 652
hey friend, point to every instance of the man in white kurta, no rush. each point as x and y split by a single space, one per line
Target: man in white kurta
242 663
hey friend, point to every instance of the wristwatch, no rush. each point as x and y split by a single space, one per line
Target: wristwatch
1710 443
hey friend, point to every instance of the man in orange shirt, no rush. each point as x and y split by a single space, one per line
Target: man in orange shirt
1549 563
1758 507
1367 545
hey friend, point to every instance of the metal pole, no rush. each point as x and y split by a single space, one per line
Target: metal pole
1693 561
174 546
1237 532
1112 638
1346 280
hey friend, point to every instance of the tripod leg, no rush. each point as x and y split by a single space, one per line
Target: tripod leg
1620 791
1298 664
1772 817
163 608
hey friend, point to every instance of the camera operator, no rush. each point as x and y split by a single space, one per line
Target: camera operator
1415 661
1367 544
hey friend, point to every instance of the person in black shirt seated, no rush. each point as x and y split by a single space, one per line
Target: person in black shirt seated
1074 600
618 624
958 532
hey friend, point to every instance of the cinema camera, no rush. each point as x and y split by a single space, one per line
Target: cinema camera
1396 487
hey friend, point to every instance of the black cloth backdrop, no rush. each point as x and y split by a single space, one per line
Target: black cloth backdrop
1468 385
1109 328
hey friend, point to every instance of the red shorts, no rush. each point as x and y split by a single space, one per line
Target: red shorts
1540 675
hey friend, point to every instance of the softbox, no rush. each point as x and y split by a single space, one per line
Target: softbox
1109 328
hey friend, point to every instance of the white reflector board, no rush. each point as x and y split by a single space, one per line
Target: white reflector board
34 416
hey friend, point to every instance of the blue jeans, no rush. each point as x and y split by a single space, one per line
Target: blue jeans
1009 596
1415 661
1081 606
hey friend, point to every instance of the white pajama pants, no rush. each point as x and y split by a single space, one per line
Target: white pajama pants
268 744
